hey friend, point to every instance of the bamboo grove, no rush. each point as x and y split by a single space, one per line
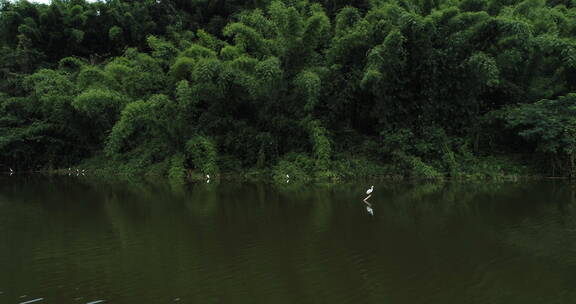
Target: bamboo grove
314 89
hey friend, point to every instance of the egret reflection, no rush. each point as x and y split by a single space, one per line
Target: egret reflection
369 208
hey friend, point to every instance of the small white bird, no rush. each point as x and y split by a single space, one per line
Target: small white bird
370 190
287 176
11 171
208 176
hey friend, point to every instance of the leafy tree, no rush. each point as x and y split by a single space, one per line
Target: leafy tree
310 87
551 125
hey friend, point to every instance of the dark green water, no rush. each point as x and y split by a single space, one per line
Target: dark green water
68 240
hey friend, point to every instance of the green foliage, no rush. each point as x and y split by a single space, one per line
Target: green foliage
416 168
162 50
550 124
485 69
92 77
182 68
115 33
203 155
314 89
49 85
177 171
185 96
321 145
135 115
309 84
300 167
71 64
347 166
385 62
103 106
197 51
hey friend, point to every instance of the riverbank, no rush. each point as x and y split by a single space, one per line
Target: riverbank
303 169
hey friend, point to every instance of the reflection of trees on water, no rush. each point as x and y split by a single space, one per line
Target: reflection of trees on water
428 204
430 208
435 205
296 241
483 233
551 234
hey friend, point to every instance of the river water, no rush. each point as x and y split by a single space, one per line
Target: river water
73 240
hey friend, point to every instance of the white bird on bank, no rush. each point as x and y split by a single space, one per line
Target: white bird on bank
370 190
11 171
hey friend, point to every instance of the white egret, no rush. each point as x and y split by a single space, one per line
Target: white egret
368 193
370 190
208 176
11 171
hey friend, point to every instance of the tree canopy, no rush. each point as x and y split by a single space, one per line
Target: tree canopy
324 89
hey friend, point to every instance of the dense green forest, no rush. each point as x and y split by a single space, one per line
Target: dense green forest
325 89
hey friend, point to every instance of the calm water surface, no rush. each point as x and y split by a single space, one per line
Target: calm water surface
69 240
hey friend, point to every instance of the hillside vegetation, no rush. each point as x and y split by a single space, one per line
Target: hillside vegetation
316 89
